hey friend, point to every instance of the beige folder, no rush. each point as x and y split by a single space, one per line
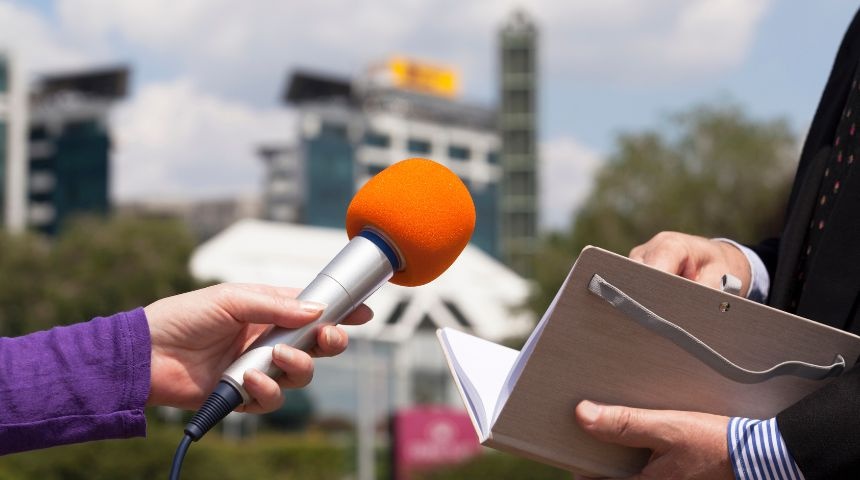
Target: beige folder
622 333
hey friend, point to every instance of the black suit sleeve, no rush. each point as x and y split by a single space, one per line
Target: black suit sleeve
822 430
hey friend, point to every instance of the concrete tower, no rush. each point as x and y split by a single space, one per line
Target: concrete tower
517 128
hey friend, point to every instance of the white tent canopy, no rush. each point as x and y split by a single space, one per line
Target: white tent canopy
477 294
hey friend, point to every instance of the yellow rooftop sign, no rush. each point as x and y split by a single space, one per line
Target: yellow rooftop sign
423 77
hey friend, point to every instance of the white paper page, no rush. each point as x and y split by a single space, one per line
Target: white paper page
481 367
517 368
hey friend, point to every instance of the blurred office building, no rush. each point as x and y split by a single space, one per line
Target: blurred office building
351 129
70 145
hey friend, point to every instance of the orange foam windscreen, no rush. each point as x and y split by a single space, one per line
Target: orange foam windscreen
423 209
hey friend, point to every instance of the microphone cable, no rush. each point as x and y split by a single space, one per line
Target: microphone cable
179 456
223 400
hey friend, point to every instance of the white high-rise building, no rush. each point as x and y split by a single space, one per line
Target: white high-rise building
351 129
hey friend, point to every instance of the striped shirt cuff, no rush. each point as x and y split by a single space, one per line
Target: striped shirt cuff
757 451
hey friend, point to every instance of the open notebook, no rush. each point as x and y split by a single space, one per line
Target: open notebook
619 332
485 372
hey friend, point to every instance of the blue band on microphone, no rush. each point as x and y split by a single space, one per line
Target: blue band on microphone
384 246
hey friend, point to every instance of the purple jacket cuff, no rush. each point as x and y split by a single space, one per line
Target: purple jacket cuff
88 381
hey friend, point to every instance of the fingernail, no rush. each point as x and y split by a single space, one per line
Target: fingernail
256 374
331 336
283 353
589 411
311 307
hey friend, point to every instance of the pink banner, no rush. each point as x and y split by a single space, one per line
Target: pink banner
431 436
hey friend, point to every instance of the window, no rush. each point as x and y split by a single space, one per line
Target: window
486 232
457 313
397 312
376 139
517 101
329 180
429 387
2 139
521 224
416 145
458 152
521 183
518 142
81 128
517 60
38 132
4 76
374 169
332 130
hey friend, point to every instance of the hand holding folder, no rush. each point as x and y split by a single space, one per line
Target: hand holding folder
622 333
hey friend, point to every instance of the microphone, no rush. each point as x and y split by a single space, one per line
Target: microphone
406 225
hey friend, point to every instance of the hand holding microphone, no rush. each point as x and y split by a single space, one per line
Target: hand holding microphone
407 225
197 334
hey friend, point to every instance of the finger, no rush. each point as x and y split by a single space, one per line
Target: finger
667 259
266 393
298 367
260 304
290 292
632 427
637 254
331 341
712 276
359 316
286 296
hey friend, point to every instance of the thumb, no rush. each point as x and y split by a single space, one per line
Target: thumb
632 427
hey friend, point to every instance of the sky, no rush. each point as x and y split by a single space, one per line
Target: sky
207 74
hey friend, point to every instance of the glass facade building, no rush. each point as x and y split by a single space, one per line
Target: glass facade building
346 136
70 146
330 181
72 176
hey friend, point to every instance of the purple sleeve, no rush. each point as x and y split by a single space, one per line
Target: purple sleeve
88 381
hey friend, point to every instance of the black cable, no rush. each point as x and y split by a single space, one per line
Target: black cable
179 456
222 401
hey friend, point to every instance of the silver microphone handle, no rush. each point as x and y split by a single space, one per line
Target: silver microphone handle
344 284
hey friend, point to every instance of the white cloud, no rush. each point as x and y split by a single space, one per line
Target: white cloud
665 41
175 141
566 176
241 47
34 43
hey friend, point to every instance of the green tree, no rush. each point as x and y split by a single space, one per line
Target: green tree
712 170
24 263
95 267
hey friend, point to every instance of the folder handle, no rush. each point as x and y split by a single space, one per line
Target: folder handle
700 349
